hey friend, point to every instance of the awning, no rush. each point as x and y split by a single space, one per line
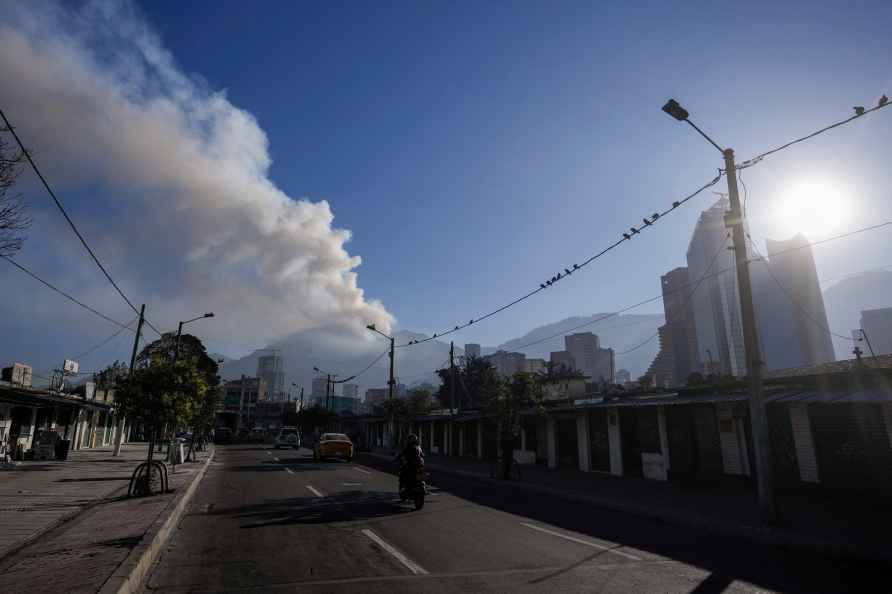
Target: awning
19 396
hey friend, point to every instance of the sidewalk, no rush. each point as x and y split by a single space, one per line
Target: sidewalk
70 521
808 521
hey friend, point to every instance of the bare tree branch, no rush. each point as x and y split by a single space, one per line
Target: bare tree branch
14 219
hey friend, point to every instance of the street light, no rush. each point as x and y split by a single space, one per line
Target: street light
176 355
391 381
758 418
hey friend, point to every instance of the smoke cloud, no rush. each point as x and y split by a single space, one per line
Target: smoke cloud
187 217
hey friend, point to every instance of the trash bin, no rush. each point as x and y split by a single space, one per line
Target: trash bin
62 448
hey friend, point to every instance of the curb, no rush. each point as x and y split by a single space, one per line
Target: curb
781 538
129 576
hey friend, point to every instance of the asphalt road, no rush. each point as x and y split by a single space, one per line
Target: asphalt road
274 521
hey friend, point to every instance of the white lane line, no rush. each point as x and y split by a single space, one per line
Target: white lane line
275 459
399 556
315 491
288 470
362 470
351 484
587 543
268 454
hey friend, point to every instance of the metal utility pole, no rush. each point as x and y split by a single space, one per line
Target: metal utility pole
452 375
327 391
119 437
867 340
301 397
758 417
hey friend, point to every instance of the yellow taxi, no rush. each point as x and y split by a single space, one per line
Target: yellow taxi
333 445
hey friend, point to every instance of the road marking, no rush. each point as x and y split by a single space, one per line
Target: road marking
399 556
315 491
288 470
351 484
362 470
268 454
275 459
587 543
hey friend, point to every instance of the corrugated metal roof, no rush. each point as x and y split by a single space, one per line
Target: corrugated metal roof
811 396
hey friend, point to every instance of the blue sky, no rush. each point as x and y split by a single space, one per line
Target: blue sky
474 149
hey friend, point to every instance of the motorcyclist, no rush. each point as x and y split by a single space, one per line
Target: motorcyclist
411 458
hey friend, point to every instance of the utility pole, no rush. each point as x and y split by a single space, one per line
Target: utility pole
867 340
452 375
391 383
301 397
119 437
758 416
327 391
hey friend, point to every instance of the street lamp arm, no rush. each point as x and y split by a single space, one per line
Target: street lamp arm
704 135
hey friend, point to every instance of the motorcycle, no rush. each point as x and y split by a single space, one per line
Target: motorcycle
414 487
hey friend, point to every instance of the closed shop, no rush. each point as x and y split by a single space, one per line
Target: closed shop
567 443
600 443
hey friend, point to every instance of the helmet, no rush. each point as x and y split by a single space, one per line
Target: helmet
412 440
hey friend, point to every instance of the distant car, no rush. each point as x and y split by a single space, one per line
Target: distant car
222 435
333 445
288 437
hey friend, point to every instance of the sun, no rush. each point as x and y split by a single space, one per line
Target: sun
814 208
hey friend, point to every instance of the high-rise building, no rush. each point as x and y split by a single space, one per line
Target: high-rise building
662 368
317 396
877 326
589 357
534 366
507 364
375 395
271 369
715 304
679 335
240 398
793 328
472 350
562 358
350 391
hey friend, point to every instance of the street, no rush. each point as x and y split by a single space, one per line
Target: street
266 520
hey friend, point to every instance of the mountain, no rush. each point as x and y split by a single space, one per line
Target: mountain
620 333
845 300
348 354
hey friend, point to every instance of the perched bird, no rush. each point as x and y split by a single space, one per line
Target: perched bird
553 279
456 327
471 322
567 270
542 286
626 236
676 204
435 335
634 230
655 216
646 222
575 266
883 100
548 282
859 110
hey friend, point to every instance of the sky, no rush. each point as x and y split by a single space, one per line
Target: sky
418 164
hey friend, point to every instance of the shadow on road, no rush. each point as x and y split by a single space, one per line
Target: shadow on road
726 558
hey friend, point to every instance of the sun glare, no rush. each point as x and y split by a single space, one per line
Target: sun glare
813 208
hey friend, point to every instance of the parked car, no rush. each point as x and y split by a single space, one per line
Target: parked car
333 445
288 437
222 435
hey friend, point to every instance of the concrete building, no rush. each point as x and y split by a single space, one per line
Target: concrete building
588 356
317 395
271 370
507 364
877 325
623 376
680 334
472 350
240 398
535 366
662 368
375 396
715 305
350 391
562 358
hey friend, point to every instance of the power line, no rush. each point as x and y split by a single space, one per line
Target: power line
690 295
626 236
63 293
858 114
107 340
68 218
369 366
792 299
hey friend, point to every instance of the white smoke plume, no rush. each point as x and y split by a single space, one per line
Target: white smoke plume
192 221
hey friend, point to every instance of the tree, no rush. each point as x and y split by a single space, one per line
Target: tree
645 381
111 376
13 218
419 402
476 383
559 371
522 392
312 418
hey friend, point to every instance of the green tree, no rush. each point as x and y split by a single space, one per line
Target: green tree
521 393
476 383
418 402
